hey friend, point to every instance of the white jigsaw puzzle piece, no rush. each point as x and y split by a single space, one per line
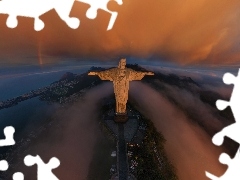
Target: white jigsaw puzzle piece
18 176
232 172
232 130
44 171
36 8
101 4
9 140
234 102
3 165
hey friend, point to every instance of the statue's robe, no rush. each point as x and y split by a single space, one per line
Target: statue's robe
121 78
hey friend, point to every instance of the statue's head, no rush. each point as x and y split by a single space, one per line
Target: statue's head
122 64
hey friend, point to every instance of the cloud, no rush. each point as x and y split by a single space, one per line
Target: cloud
188 146
186 32
71 138
203 113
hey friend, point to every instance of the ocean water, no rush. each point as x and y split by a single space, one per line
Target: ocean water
29 114
15 84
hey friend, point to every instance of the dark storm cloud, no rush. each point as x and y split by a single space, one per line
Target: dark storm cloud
183 31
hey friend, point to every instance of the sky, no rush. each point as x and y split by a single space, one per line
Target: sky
181 31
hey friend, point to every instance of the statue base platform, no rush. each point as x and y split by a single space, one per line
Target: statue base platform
120 117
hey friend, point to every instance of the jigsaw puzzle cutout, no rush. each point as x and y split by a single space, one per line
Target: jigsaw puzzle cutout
44 171
233 172
8 132
36 8
18 176
231 131
101 4
3 165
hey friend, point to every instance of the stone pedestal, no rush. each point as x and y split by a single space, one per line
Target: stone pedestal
120 118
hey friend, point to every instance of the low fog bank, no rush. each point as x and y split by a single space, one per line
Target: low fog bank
71 138
74 132
197 100
200 112
188 146
208 78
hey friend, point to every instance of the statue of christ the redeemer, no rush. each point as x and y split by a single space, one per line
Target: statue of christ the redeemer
121 77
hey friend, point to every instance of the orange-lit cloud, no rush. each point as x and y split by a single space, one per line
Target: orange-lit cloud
199 31
188 146
73 141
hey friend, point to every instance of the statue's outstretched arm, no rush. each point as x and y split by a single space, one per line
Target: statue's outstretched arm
92 73
104 75
138 75
149 73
